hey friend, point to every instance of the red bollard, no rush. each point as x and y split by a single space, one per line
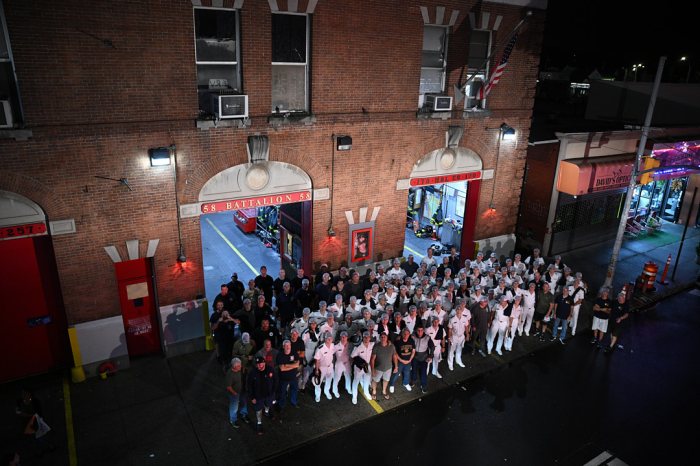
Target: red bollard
663 275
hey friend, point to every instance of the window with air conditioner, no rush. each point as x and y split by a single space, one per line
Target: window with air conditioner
477 67
217 52
290 62
433 63
10 114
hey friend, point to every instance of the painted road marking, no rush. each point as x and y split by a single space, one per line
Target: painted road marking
232 246
414 252
373 403
70 435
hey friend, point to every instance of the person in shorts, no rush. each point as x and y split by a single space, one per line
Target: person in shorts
384 361
619 313
601 315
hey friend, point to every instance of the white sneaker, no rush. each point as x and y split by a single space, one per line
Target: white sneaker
437 374
367 395
391 389
318 399
336 394
499 352
407 387
459 363
451 367
354 401
328 395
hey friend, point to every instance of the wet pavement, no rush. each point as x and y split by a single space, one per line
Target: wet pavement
561 405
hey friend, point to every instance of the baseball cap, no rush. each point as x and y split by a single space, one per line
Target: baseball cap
259 360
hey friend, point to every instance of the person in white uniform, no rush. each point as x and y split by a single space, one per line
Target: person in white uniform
578 292
343 364
458 333
362 374
514 323
528 304
324 366
437 333
498 326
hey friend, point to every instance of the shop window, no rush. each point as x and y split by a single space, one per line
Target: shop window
217 52
10 108
582 213
434 61
290 63
477 66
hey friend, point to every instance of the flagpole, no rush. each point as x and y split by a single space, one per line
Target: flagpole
633 179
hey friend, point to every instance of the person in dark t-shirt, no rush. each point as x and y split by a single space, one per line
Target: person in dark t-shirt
601 314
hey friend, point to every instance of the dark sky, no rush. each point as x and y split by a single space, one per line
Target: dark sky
610 34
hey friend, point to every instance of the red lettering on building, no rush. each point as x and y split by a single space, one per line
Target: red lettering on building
431 180
237 204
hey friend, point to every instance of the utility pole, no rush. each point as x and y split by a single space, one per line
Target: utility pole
633 179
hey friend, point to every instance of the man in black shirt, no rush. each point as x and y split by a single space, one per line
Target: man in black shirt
286 305
227 298
261 383
601 315
324 289
278 284
266 332
236 288
287 363
296 282
264 283
304 297
618 314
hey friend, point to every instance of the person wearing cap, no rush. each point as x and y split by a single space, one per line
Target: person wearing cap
535 260
383 325
244 349
561 312
261 383
519 265
418 296
396 271
264 283
350 327
481 263
528 299
268 353
481 315
343 364
246 316
403 300
372 329
410 266
354 308
552 277
302 323
462 292
424 350
361 356
318 278
287 363
324 366
341 277
436 311
234 388
322 313
618 314
476 295
337 307
503 290
411 318
516 311
491 279
329 326
396 325
566 279
577 291
312 340
437 334
384 363
391 294
262 310
499 325
601 315
367 302
297 281
492 261
458 329
543 306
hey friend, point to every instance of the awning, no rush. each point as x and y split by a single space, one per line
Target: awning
592 175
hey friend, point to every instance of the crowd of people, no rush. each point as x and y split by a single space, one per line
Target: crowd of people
363 334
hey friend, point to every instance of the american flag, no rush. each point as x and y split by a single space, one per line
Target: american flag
496 76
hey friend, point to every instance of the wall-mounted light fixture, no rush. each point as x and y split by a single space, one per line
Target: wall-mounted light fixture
507 132
159 156
343 142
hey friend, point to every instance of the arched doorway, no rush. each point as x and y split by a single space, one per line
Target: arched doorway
443 195
252 215
32 314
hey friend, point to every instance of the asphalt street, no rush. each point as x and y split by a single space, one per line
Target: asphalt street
562 405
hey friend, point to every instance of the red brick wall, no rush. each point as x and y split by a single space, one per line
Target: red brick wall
96 110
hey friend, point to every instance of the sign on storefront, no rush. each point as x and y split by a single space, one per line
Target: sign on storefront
251 202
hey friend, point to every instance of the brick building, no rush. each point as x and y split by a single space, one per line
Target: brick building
89 87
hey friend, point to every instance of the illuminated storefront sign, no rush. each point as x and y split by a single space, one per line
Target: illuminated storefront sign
261 201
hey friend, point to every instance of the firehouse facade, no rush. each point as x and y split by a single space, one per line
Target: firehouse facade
123 124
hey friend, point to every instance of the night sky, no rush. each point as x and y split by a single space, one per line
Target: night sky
609 34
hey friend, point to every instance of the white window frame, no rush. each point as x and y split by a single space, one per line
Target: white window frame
474 104
421 95
236 63
305 64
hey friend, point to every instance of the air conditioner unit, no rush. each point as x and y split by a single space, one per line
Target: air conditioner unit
5 114
229 106
438 103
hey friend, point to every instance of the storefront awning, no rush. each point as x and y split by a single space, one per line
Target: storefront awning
592 175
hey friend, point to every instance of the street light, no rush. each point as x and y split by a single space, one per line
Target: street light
687 76
636 68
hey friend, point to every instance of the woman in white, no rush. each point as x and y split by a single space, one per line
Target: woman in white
354 308
498 326
528 304
391 294
577 291
362 376
515 314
